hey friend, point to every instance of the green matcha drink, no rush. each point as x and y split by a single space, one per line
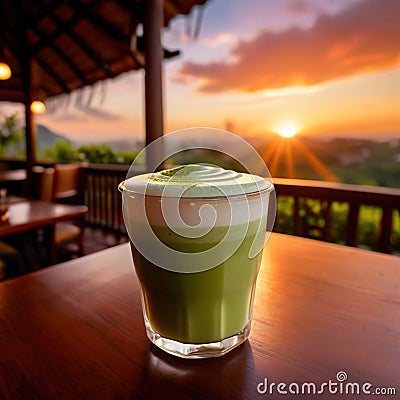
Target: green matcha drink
196 235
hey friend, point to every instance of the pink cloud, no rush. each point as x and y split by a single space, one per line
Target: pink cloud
301 7
362 38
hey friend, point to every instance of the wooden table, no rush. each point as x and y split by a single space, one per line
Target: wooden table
75 331
12 175
28 214
12 180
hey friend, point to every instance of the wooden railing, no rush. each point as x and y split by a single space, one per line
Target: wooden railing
99 191
305 208
326 211
313 211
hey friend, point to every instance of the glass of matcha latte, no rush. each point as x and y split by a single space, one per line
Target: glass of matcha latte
197 234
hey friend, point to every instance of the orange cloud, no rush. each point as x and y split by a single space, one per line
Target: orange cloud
362 38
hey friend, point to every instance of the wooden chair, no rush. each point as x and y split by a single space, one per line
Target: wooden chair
60 184
66 183
43 179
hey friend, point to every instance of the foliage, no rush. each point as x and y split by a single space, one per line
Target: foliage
127 157
368 227
97 153
64 152
10 132
284 222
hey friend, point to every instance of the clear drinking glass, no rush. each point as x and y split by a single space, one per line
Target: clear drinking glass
197 261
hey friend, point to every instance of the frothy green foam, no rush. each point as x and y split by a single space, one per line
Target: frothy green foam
196 180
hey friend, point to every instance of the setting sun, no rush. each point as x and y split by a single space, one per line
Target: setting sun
288 129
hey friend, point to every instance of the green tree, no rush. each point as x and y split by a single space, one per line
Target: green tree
10 132
97 153
62 151
126 157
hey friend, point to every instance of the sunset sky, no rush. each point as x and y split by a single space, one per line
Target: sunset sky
331 67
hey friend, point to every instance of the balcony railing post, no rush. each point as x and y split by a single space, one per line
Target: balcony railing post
386 230
352 224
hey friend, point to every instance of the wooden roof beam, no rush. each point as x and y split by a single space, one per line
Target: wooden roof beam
79 41
60 30
134 8
26 57
30 21
42 64
72 66
170 8
87 12
65 27
16 48
19 55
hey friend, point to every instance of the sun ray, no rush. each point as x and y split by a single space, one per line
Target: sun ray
289 160
268 154
276 158
315 163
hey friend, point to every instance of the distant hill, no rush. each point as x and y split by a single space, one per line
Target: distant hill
47 138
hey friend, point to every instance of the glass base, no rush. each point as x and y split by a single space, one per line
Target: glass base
202 350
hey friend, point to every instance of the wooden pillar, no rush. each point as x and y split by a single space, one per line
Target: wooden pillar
153 22
30 129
